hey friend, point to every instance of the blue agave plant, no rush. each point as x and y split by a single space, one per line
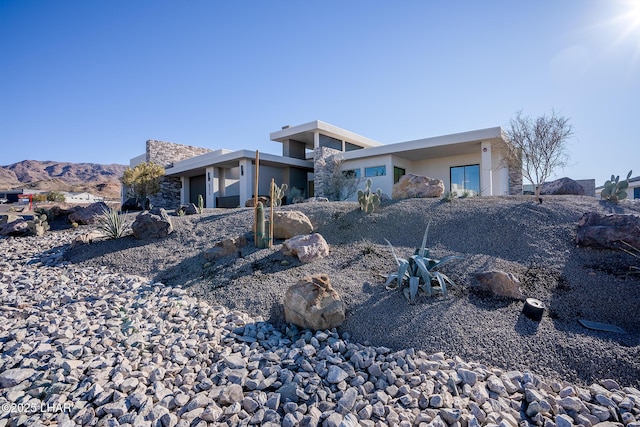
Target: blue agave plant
419 272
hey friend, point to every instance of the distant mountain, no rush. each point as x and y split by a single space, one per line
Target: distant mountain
100 180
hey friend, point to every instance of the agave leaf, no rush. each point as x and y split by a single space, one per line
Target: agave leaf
405 291
402 270
413 287
393 251
423 271
389 283
441 281
423 246
445 260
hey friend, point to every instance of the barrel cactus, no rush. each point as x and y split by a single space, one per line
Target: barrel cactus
369 201
614 189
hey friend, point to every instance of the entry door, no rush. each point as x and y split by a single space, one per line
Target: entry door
197 186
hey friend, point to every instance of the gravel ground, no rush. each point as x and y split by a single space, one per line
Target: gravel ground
514 234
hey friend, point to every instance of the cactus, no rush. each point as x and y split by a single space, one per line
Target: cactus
369 201
278 194
260 236
614 189
200 203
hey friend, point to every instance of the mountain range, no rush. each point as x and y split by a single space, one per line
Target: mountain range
97 179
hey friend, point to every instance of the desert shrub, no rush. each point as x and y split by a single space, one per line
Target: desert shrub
112 224
449 196
614 189
55 196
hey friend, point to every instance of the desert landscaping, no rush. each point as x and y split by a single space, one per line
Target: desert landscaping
177 330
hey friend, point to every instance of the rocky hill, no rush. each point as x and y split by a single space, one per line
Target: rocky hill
101 180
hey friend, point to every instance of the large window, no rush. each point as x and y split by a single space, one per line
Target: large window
375 171
327 141
398 173
465 179
351 173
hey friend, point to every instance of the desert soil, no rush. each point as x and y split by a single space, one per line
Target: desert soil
533 241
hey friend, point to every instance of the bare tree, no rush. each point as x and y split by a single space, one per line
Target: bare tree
340 184
539 145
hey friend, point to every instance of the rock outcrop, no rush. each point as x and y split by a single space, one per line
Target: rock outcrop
417 186
88 215
152 225
499 283
608 231
562 186
287 224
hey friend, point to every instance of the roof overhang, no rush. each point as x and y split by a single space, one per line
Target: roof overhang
435 147
230 159
305 133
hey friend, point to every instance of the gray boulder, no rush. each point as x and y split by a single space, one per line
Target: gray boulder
148 225
17 227
287 224
313 303
307 247
608 231
417 186
499 283
88 215
562 186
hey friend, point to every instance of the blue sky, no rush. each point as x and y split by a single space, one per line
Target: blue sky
91 81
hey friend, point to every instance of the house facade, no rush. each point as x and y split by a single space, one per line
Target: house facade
468 161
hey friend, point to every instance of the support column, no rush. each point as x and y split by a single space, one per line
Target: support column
486 173
316 140
211 187
184 191
222 185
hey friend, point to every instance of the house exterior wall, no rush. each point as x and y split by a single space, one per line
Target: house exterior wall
384 183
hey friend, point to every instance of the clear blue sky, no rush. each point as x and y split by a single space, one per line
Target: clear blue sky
91 81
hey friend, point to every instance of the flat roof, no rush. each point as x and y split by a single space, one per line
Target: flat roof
438 146
304 133
229 159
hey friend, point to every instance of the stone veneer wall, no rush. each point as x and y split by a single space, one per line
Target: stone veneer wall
322 169
515 180
165 154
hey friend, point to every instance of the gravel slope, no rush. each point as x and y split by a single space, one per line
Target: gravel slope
514 234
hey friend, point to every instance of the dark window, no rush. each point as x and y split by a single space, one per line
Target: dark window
375 171
636 193
397 174
351 173
351 147
327 141
465 178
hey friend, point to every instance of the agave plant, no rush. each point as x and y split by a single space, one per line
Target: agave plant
112 224
633 251
419 272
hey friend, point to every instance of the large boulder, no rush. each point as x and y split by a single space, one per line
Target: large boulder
287 224
608 231
88 215
17 227
562 186
135 204
499 283
307 247
226 247
313 303
152 225
417 186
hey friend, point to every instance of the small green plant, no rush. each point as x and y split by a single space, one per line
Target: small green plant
200 203
278 194
465 194
180 212
419 272
614 189
367 246
296 195
449 196
369 201
112 224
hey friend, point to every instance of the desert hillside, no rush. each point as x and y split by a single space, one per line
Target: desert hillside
98 179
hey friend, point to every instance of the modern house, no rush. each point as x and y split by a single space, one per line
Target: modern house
468 161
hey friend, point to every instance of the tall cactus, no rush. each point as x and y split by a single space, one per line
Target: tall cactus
614 189
369 201
200 203
260 236
278 194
